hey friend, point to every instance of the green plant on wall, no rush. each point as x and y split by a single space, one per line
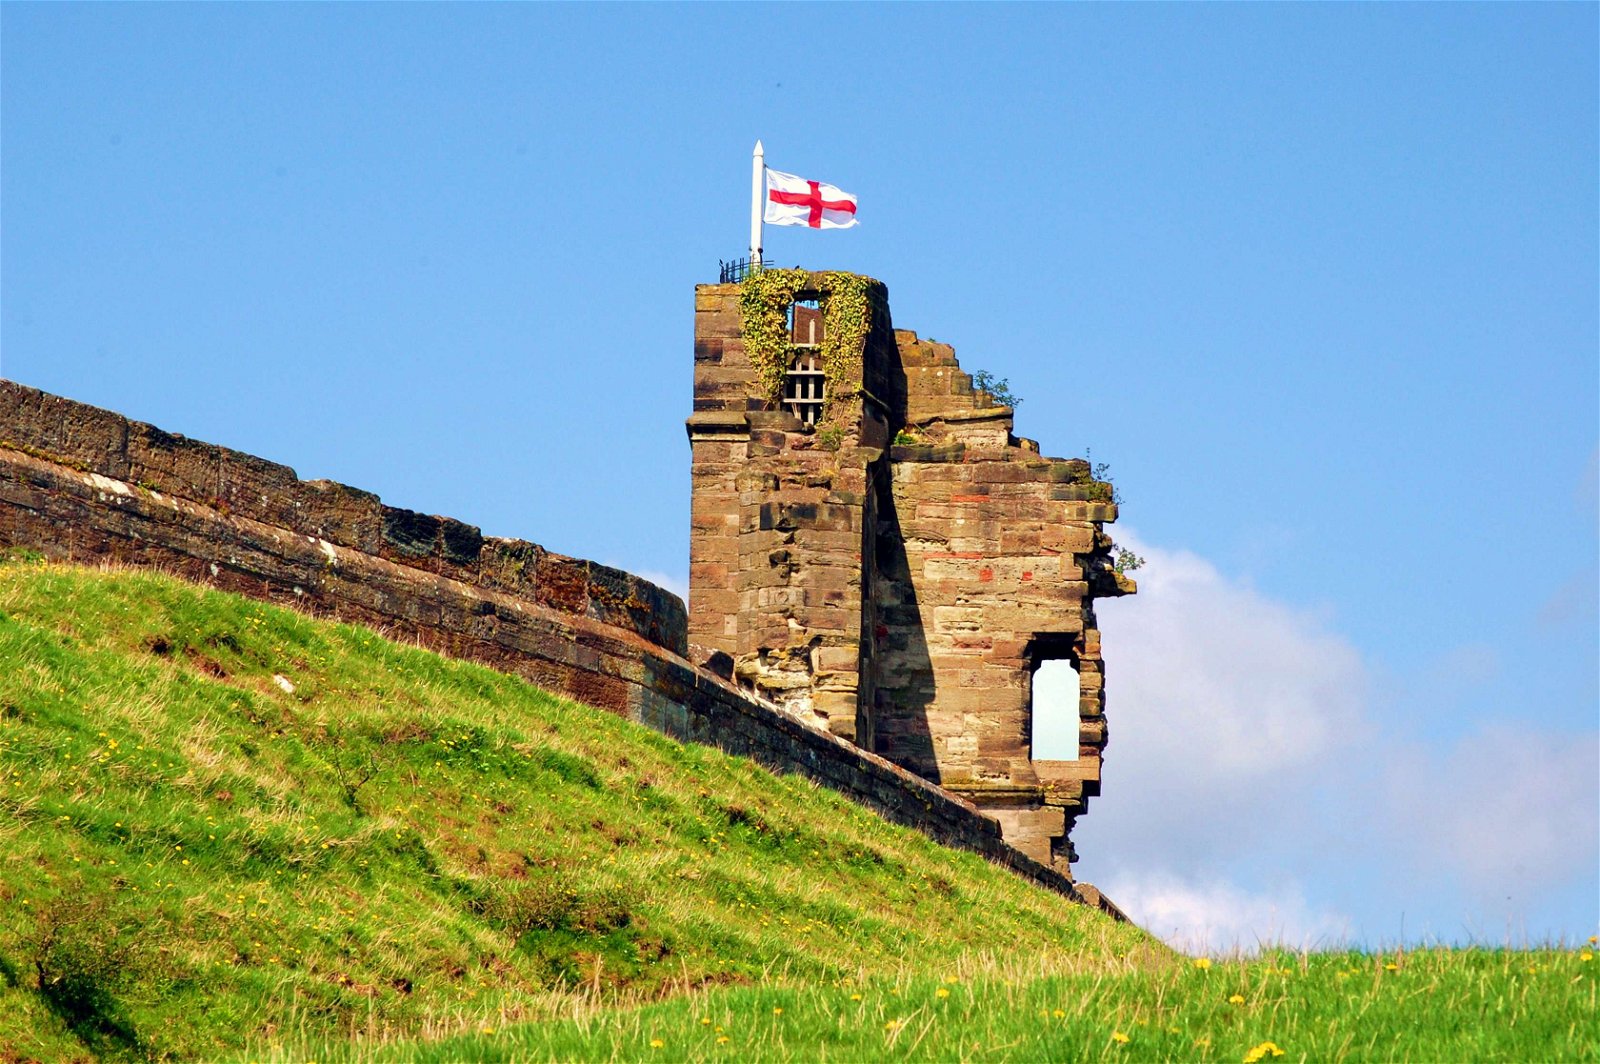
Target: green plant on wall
998 388
764 300
1100 487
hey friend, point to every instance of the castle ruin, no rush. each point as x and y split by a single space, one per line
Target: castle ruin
879 567
875 552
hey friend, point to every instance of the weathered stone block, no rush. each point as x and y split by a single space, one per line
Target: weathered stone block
409 533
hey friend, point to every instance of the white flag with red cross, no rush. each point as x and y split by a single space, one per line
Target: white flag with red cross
793 200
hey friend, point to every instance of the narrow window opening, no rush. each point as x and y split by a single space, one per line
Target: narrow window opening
805 384
1055 710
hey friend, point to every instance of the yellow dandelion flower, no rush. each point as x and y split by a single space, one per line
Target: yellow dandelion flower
656 1043
705 1021
951 979
1594 940
1391 967
893 1025
777 1011
1058 1014
1236 999
942 992
1202 963
722 1040
1119 1038
1203 1043
855 997
1586 956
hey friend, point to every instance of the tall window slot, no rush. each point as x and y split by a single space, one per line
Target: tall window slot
1055 710
805 383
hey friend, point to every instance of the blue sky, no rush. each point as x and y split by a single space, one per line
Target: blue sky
1318 282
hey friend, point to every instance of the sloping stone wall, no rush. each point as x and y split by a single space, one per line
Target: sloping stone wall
85 485
241 485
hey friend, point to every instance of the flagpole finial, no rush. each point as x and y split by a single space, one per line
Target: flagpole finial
759 150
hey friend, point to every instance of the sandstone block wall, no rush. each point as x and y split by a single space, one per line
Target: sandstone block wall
82 484
782 526
901 588
240 485
990 568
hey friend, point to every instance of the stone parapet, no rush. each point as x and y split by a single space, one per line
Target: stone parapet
241 485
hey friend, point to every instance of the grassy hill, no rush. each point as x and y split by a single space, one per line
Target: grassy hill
228 824
231 830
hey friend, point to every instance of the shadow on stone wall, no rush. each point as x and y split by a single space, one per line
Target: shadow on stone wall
906 686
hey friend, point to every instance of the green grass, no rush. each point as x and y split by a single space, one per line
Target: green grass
199 861
1432 1006
408 858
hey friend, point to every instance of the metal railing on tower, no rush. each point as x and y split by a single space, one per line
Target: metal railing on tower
737 270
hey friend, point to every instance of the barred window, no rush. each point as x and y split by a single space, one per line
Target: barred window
805 386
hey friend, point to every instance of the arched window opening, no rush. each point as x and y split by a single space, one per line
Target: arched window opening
1054 705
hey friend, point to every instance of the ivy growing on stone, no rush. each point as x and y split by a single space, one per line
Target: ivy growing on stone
764 300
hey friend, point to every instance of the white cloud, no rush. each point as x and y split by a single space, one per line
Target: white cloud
1217 918
1228 710
1222 705
1212 677
1509 813
1253 792
1573 601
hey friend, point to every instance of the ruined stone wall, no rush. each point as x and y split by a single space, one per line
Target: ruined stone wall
998 555
901 589
85 485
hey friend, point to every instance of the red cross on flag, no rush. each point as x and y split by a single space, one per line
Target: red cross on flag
793 200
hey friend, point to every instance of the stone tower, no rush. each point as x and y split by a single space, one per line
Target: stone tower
875 552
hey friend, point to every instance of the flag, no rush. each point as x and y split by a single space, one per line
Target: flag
795 201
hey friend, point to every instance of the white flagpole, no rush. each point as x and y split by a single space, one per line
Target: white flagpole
758 177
